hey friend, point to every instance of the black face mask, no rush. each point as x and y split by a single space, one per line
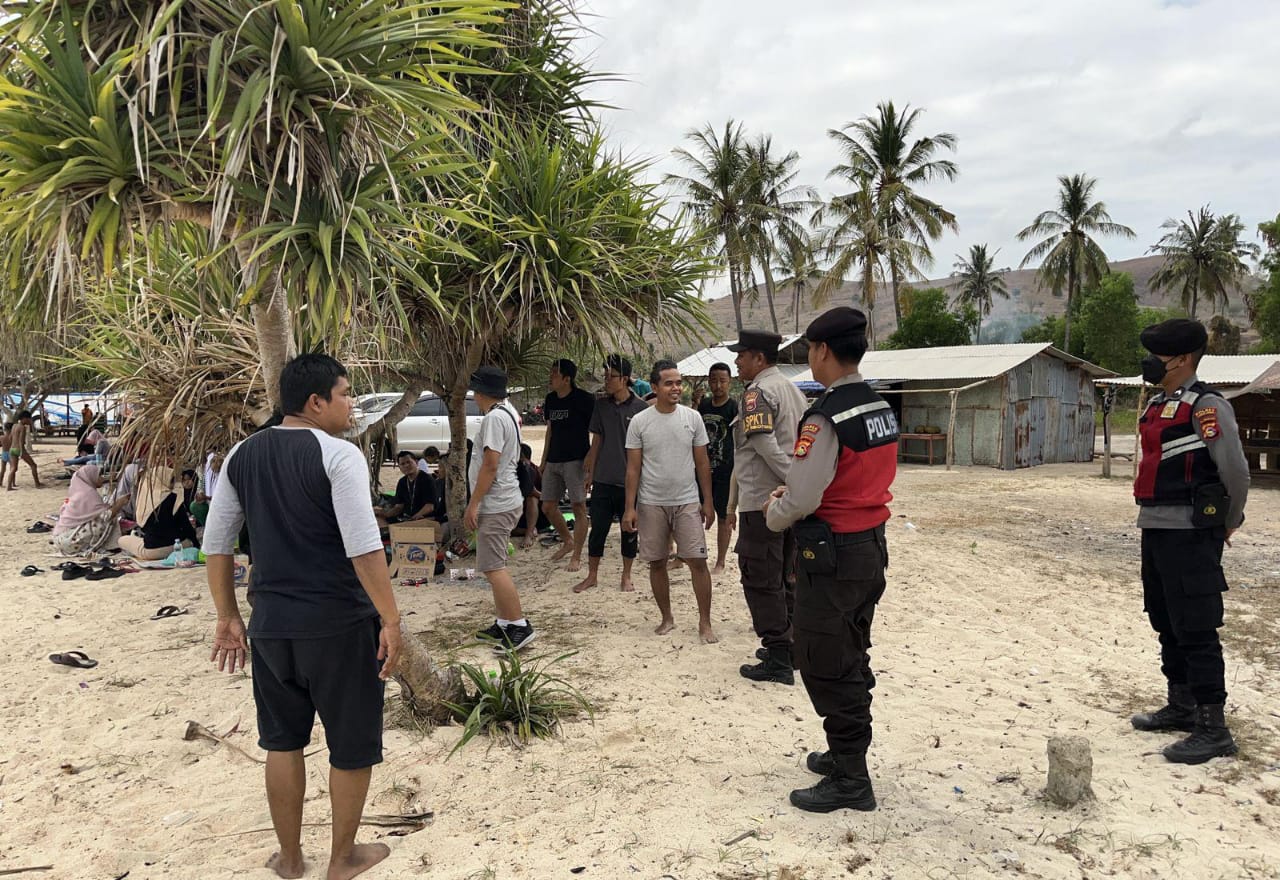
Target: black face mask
1153 369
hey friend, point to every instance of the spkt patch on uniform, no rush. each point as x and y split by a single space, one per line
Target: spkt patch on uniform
811 428
1208 419
757 418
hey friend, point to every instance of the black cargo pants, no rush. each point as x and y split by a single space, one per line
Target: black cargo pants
766 560
833 635
1182 587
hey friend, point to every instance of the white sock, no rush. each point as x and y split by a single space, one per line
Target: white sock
524 621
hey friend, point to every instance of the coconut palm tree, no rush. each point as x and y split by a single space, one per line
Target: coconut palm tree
880 149
1068 253
798 267
855 237
979 283
716 190
1203 255
773 203
286 131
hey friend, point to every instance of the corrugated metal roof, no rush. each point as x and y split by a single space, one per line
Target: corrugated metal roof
1220 369
958 362
699 363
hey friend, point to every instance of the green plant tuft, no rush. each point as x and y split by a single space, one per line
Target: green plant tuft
519 702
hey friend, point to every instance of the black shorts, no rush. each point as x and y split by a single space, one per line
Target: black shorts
337 676
720 480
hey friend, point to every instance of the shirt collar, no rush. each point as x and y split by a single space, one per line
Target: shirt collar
850 379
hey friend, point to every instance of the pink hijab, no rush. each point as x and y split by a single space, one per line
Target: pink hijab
92 437
84 502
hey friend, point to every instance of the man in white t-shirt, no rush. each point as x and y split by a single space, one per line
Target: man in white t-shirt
666 463
496 504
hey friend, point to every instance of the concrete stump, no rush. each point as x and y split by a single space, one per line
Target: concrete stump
1070 770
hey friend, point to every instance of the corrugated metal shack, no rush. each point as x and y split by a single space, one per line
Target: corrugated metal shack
1006 406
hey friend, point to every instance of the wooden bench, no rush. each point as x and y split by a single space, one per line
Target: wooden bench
929 440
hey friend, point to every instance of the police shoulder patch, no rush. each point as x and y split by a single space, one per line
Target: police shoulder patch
803 443
1208 421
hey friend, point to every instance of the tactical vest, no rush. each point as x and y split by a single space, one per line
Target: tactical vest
1175 460
857 498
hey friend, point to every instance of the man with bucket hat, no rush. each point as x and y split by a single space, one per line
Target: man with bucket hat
1192 483
496 504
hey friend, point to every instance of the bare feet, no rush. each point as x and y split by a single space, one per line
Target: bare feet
363 857
719 569
708 636
585 584
288 869
627 586
565 550
527 542
575 564
665 627
39 485
674 562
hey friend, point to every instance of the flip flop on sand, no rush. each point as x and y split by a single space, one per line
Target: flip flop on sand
72 570
168 611
39 528
79 659
31 570
104 573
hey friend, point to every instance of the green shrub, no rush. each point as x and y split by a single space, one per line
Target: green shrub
519 701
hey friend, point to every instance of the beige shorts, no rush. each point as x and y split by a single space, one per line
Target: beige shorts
493 536
561 477
658 523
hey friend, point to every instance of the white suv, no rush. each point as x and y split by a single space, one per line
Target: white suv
427 424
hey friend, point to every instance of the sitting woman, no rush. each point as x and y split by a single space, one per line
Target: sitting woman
93 448
170 522
86 524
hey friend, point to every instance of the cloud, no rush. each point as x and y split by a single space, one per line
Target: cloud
1169 103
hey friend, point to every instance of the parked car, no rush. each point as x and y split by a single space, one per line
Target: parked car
427 424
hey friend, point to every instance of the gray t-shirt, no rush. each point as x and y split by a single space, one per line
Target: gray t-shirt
610 420
667 440
499 432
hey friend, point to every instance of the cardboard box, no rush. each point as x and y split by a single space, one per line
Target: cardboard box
241 570
413 550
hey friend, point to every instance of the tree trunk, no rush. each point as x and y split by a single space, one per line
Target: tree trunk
768 292
1071 292
897 305
425 686
795 307
977 331
735 292
455 399
1195 299
869 297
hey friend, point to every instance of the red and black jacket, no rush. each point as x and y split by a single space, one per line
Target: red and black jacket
858 496
1175 458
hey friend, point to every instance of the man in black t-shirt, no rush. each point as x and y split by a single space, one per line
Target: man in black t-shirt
415 497
325 627
568 411
718 414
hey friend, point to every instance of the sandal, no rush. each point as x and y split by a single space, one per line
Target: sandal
39 528
31 570
105 573
78 659
168 611
72 570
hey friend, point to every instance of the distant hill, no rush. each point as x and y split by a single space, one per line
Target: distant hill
1028 304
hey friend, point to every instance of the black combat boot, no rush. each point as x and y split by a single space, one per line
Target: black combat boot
1178 714
822 763
848 788
776 667
1209 739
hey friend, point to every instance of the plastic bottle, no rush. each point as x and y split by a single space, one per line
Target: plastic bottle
177 551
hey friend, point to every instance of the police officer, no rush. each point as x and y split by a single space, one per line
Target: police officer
764 436
837 497
1191 488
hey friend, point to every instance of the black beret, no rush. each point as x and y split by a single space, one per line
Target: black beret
489 381
757 340
1174 337
838 323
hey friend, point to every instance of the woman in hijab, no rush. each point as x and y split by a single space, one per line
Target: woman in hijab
93 444
166 523
86 524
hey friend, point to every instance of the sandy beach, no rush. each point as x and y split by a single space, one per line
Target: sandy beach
1013 613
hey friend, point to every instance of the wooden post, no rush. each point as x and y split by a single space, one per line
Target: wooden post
951 432
1137 437
1108 396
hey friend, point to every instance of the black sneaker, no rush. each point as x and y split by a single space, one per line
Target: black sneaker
515 637
762 653
492 634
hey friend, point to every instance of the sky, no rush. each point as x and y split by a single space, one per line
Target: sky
1170 104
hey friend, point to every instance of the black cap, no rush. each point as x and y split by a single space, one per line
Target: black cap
1174 337
489 381
838 323
762 341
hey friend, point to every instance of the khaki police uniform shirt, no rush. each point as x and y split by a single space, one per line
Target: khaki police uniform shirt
812 472
1215 424
764 436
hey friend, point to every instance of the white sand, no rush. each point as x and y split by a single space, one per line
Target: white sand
1013 612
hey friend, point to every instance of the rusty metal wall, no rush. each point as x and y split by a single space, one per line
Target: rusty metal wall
1040 412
